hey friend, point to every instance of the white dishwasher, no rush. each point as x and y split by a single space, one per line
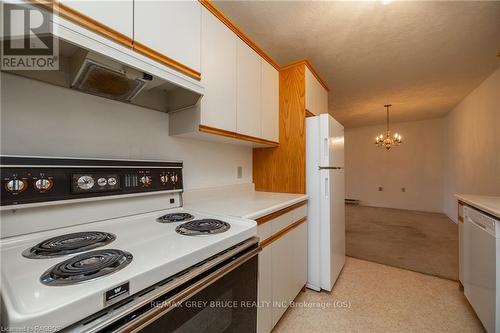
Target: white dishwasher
481 269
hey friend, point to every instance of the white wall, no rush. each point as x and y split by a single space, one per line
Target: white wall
472 145
42 119
416 165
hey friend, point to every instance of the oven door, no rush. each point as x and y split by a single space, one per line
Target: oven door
227 305
217 295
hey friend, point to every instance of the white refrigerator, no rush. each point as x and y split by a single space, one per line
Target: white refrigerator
326 211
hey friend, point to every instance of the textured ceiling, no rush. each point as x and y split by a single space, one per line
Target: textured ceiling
421 56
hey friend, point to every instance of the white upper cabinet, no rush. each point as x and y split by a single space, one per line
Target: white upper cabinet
218 66
323 99
171 28
316 94
117 15
270 102
248 115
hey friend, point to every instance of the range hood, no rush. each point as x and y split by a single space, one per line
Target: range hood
93 73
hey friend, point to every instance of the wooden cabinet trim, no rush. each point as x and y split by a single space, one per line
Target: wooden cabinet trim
272 216
208 4
282 232
307 63
309 114
238 136
163 59
103 30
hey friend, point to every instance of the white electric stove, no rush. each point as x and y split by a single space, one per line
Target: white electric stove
107 246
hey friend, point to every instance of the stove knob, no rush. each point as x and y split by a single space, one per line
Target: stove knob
145 180
43 184
15 185
102 182
85 182
112 181
164 179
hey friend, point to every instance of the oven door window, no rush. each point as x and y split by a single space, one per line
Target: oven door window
227 305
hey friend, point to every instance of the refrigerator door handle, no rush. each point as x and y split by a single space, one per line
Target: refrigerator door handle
327 187
330 168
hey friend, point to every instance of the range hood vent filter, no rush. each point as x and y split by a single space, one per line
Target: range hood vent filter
99 80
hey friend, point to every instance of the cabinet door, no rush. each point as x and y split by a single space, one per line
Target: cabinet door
171 28
264 294
117 15
270 102
323 99
299 253
218 66
248 115
283 290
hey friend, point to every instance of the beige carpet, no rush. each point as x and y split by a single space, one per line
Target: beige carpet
381 298
418 241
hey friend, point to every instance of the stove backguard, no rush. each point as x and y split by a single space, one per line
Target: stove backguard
28 180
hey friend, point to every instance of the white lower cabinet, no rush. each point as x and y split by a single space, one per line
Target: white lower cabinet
282 267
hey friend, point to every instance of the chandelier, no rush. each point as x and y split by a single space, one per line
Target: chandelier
387 140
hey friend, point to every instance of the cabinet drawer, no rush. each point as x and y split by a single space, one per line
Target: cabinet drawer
285 220
264 231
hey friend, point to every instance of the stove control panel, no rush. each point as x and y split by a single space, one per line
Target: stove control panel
35 179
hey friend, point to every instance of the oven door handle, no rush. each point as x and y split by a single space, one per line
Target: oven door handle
165 306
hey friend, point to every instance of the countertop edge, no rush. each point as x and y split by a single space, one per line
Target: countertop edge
486 208
275 208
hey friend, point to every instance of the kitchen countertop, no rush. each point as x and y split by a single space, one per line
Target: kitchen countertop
487 204
239 200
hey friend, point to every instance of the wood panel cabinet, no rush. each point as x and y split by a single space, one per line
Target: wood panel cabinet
218 65
171 28
249 80
316 94
282 265
270 102
295 94
117 15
